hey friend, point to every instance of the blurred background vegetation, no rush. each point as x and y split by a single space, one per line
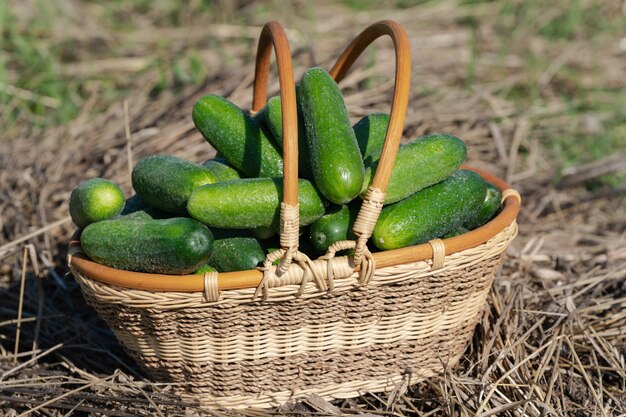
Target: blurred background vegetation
565 57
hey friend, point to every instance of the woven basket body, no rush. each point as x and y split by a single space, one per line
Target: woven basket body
411 322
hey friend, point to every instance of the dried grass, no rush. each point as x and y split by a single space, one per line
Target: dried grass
552 340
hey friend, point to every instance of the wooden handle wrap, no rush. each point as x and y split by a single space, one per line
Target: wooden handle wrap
370 209
274 35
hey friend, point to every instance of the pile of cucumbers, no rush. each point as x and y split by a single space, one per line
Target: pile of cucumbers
223 215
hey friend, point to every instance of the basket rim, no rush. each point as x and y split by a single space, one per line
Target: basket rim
252 278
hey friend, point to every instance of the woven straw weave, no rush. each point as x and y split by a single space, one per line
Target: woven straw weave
410 322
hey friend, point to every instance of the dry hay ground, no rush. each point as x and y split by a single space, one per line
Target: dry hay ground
553 338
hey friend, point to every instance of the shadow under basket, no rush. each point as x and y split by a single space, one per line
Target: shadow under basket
337 326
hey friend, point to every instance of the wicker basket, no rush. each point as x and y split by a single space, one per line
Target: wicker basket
336 326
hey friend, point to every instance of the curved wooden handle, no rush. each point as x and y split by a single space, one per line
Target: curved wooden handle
375 195
400 99
274 35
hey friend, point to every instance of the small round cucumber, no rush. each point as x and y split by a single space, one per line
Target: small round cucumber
236 254
166 182
431 212
95 199
333 226
238 137
250 203
168 246
490 207
370 134
334 152
221 170
419 164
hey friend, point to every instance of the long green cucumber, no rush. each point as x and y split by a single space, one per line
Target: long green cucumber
334 152
249 203
166 182
168 246
419 164
238 137
431 212
370 134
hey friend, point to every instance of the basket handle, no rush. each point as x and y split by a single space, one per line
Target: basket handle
375 195
274 35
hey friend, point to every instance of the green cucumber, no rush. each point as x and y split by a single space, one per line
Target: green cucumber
136 209
236 254
334 152
333 226
250 203
204 269
94 200
455 232
175 246
221 170
238 137
370 134
489 208
431 212
419 164
166 182
274 119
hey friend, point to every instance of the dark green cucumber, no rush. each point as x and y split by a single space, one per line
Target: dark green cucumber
236 254
370 134
431 212
166 182
136 209
489 208
334 152
175 246
220 169
455 232
274 120
333 226
419 164
250 203
95 199
238 137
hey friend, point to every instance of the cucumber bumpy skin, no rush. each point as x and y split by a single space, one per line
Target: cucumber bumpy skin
166 182
419 164
237 137
236 254
333 226
174 246
136 209
273 114
221 170
94 200
250 203
431 212
489 208
335 156
370 134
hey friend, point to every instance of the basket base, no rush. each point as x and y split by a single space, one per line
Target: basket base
329 392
